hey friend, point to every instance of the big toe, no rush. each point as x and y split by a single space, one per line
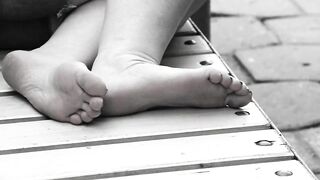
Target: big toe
91 83
236 101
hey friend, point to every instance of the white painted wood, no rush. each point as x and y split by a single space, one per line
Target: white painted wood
177 46
145 156
186 29
4 87
259 171
16 107
194 61
150 125
3 53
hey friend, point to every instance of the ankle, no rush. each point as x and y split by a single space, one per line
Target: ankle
124 60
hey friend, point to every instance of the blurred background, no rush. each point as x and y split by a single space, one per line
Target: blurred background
274 46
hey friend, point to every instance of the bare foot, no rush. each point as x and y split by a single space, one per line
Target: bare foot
63 91
138 85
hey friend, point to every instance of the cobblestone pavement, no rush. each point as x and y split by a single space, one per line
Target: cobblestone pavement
274 46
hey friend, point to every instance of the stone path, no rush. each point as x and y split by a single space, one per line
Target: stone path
274 46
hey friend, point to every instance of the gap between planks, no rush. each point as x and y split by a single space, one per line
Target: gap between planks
147 156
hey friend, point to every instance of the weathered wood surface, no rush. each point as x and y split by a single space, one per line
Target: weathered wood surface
288 170
186 29
47 134
5 89
187 45
194 143
16 108
146 156
195 61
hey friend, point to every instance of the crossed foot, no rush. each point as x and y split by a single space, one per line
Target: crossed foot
69 92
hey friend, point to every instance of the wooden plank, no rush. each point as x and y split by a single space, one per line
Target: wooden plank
290 170
187 45
146 156
195 61
5 89
3 53
16 108
186 29
154 124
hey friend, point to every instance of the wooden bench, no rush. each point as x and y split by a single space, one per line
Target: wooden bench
173 143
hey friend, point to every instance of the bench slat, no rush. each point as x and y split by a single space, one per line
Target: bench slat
260 171
2 55
16 108
147 125
186 29
146 156
5 89
195 61
177 46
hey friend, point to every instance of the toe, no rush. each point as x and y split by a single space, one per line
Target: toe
84 116
91 113
236 101
75 119
91 84
244 90
226 80
215 76
96 103
235 84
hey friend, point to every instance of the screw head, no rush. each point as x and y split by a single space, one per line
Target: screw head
242 113
190 42
205 63
284 173
264 143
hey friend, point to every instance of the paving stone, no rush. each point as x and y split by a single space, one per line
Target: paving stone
309 6
231 33
276 63
312 136
290 105
303 149
259 8
239 71
304 29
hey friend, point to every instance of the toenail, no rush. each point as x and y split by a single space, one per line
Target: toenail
190 42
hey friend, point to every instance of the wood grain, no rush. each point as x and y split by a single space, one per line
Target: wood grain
156 124
146 156
16 108
177 47
259 171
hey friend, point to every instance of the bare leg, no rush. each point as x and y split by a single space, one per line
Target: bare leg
55 78
134 38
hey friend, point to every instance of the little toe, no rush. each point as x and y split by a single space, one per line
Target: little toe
91 113
96 103
91 83
84 116
235 101
75 119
